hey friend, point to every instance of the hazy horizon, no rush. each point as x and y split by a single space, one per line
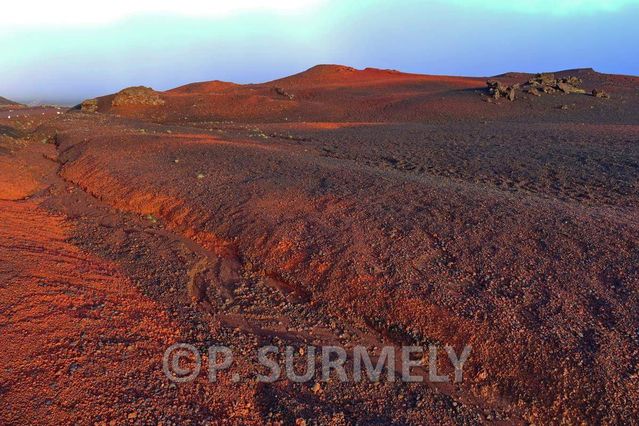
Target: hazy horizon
69 51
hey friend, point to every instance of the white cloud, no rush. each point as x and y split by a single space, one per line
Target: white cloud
38 13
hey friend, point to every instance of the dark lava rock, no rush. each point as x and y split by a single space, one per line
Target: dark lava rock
284 93
600 94
497 90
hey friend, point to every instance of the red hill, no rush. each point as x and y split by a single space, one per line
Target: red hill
343 94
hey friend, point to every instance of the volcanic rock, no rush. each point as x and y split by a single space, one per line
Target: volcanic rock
567 87
284 93
533 91
498 90
541 83
89 105
543 79
138 95
600 94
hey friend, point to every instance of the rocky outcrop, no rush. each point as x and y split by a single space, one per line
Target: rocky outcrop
139 95
284 93
89 105
544 83
547 83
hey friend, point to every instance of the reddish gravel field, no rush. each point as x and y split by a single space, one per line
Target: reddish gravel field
333 207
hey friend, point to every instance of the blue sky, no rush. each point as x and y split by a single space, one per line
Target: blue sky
66 51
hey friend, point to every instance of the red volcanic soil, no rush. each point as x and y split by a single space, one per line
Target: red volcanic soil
71 325
333 207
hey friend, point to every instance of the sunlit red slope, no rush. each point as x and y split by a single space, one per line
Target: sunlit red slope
322 93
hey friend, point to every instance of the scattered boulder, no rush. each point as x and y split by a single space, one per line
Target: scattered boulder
498 90
495 86
543 79
573 81
533 91
600 94
89 105
138 95
569 88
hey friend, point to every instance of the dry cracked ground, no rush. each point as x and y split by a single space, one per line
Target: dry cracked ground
335 207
